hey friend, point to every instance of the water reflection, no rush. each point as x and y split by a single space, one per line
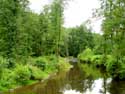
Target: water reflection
96 88
74 82
117 87
71 92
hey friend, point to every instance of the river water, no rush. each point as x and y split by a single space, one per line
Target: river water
75 81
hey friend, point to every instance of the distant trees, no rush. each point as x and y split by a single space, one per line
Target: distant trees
78 39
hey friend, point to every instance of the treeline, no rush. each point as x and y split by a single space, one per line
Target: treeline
77 39
24 33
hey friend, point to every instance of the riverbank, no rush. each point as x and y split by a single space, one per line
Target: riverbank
81 79
109 63
34 70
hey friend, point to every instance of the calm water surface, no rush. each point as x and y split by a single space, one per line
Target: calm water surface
74 82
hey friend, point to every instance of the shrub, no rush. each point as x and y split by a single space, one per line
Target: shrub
45 62
63 64
7 79
96 60
22 74
86 55
37 74
39 62
115 68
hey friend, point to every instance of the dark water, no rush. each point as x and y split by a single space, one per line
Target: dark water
76 81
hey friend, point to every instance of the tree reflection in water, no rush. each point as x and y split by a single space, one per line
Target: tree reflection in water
117 87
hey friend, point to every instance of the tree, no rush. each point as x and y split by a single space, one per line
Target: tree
10 12
78 39
56 18
113 28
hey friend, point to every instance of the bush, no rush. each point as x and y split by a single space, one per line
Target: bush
39 62
115 68
37 74
86 55
97 60
7 79
45 62
22 74
63 64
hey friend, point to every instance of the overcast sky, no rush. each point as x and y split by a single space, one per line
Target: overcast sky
76 12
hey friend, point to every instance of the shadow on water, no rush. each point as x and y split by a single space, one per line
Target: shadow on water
76 81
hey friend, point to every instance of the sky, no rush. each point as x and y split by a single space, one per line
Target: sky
77 12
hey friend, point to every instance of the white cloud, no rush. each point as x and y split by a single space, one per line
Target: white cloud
96 26
79 11
76 12
37 5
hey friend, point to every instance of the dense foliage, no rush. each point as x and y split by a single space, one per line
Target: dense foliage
110 51
31 44
29 49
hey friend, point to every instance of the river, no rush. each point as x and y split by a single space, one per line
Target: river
75 81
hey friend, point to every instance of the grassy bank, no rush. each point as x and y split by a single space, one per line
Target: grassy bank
35 69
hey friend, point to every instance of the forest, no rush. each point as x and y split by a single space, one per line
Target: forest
33 46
